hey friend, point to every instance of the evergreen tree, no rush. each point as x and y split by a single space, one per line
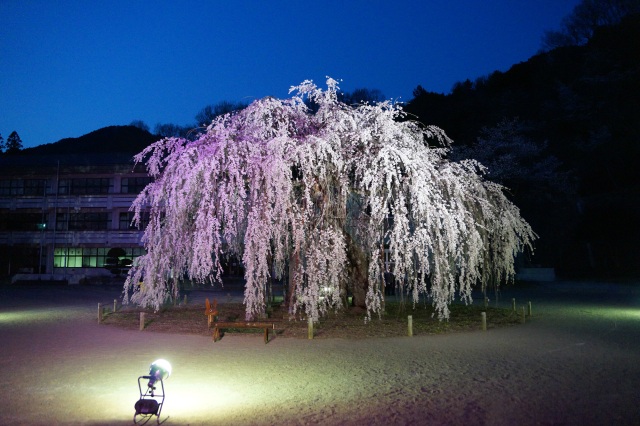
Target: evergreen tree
14 143
1 144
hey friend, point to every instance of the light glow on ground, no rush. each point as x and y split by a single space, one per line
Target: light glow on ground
29 316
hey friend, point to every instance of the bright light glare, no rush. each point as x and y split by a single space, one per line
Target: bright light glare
161 368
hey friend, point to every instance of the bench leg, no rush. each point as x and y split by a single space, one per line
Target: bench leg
216 334
266 335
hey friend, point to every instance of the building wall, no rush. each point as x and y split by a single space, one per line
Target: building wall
64 219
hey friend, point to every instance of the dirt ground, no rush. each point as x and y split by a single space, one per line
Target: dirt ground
575 361
187 317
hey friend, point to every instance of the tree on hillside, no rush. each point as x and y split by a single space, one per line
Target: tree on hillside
14 143
361 95
535 180
334 199
207 114
578 27
169 130
140 125
1 144
515 160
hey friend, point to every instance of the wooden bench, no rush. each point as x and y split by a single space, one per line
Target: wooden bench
221 325
211 311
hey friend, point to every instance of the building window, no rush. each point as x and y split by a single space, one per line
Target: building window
20 220
85 186
35 186
134 185
126 218
67 257
11 187
91 257
23 186
83 221
63 186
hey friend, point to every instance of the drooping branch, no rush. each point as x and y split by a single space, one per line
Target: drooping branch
287 189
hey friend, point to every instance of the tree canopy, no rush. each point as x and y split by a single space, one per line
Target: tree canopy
14 143
578 27
335 199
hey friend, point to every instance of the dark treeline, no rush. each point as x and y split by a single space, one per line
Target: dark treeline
207 114
575 110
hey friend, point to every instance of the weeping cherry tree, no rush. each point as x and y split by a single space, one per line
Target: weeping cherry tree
333 198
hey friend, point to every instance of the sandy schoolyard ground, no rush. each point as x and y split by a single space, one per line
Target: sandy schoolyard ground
575 362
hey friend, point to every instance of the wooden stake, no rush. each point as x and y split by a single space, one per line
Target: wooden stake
523 317
410 325
530 309
141 321
99 313
310 328
484 321
115 305
513 303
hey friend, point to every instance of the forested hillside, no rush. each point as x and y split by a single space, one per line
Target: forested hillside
575 110
125 139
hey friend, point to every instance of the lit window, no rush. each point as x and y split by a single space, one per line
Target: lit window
91 257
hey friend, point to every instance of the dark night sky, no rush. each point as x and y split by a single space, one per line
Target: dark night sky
71 67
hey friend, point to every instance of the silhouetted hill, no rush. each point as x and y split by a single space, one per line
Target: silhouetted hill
583 102
112 139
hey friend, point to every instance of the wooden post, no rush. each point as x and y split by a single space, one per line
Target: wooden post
185 299
513 303
141 321
99 313
115 305
530 308
310 328
410 325
484 321
522 319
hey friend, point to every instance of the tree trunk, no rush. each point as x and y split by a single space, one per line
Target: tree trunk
294 262
358 272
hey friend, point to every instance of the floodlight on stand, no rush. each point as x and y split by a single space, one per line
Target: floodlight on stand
160 369
151 402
